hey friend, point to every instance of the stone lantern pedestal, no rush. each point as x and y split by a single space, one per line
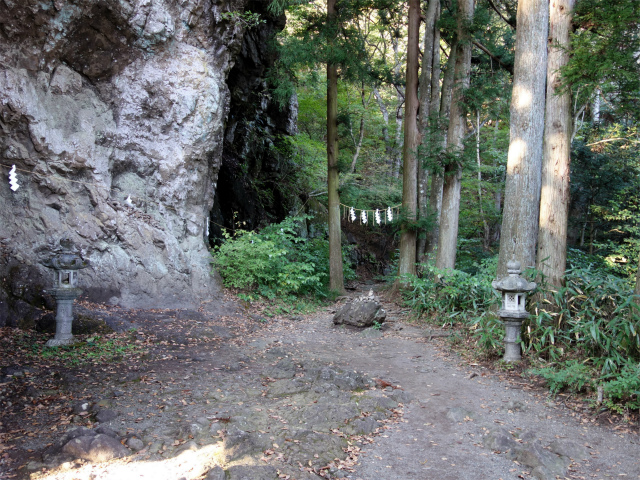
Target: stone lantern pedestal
65 265
514 291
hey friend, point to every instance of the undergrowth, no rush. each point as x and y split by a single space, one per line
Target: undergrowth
278 262
580 337
90 349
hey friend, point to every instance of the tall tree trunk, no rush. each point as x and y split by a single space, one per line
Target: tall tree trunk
425 94
449 216
486 231
441 110
497 196
407 257
400 95
336 275
524 161
554 195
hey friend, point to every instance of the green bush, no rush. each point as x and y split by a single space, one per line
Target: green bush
572 375
624 388
587 332
276 261
451 292
593 316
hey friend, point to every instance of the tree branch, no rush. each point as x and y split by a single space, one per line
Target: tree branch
509 22
508 68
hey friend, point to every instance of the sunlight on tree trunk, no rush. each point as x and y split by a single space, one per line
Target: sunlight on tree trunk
554 196
524 162
437 180
449 216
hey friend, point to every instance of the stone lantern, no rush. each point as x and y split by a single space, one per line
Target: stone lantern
514 290
65 264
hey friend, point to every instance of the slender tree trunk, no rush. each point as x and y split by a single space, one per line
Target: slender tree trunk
497 196
437 180
426 101
449 216
388 148
486 231
358 145
524 161
398 145
336 275
407 257
447 89
554 196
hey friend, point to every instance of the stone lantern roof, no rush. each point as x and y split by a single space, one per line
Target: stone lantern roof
513 282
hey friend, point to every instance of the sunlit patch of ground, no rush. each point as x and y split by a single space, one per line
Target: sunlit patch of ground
188 465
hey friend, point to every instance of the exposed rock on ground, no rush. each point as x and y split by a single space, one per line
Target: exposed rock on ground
293 397
363 311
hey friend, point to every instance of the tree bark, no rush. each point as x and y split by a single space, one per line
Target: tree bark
388 148
407 256
486 236
399 138
437 180
336 275
430 69
449 216
554 196
524 161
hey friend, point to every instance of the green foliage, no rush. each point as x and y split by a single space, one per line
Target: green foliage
624 388
277 261
247 19
604 52
587 332
593 316
112 348
572 375
453 293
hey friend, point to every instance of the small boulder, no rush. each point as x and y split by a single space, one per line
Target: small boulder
135 444
98 448
106 415
362 312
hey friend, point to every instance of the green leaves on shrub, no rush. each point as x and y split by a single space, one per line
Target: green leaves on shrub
573 375
587 333
277 261
445 292
624 388
594 316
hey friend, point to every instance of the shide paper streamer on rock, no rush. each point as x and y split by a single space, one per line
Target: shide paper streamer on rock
13 179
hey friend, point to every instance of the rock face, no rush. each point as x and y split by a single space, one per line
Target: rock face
114 113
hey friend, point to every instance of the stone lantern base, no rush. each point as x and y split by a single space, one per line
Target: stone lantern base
512 327
64 316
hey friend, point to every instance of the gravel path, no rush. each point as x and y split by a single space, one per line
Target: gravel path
224 395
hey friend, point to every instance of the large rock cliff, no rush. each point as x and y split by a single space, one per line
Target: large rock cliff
114 114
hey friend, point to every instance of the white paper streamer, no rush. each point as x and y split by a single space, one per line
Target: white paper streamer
13 179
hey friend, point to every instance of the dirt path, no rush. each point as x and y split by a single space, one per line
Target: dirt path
224 395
